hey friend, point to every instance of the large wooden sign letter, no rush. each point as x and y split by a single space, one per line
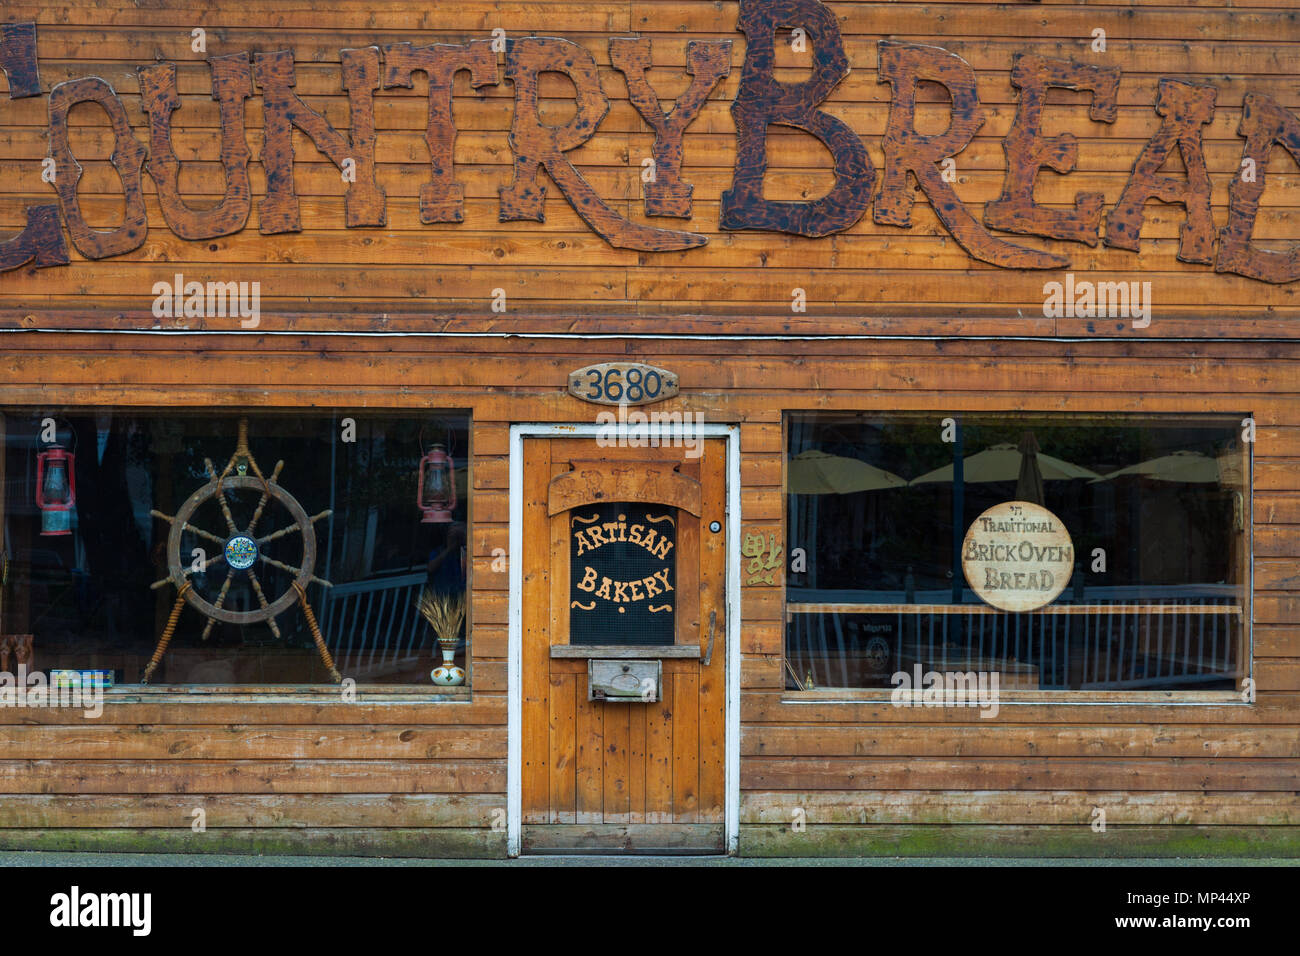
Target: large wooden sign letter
442 199
903 65
232 83
354 154
1028 150
18 59
708 62
1263 123
762 100
41 243
128 157
1186 107
537 145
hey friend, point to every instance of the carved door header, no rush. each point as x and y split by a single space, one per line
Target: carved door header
599 481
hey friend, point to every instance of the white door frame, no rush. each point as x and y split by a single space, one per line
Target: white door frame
514 682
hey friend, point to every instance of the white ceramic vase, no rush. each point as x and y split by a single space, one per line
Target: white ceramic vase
447 674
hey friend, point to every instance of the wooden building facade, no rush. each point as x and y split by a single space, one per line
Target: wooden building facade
464 274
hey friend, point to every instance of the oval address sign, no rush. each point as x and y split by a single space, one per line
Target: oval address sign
622 383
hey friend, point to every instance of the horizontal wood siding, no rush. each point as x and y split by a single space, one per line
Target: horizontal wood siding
430 777
848 773
559 274
316 766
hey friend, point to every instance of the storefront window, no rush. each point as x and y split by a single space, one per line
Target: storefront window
1061 553
327 532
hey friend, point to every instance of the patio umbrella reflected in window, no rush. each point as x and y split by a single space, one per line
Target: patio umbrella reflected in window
817 473
1003 463
1190 467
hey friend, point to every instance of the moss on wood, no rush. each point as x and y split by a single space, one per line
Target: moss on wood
425 842
1021 841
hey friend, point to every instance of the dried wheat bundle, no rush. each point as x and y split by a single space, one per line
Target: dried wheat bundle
444 612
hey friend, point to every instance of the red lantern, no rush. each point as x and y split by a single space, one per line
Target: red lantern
56 489
436 496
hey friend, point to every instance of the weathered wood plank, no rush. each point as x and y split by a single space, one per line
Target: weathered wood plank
767 705
252 776
625 838
1020 806
1022 841
153 742
421 842
319 810
822 773
686 748
995 738
563 763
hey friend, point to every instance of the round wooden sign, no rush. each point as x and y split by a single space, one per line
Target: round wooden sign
1017 556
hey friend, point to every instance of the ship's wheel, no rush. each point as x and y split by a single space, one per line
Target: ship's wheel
242 551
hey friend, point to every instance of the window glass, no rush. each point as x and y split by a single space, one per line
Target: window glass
1125 570
108 513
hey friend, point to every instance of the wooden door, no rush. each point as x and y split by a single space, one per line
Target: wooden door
604 776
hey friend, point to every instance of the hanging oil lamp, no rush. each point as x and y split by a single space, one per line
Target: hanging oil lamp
56 489
436 495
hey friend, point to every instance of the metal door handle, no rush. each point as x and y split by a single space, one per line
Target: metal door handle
713 623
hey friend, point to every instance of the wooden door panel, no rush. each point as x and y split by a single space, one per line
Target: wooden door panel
659 759
563 743
622 775
686 748
591 737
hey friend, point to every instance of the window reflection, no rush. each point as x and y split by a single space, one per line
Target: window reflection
1157 509
87 493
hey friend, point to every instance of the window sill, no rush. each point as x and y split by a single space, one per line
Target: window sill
308 693
626 651
850 695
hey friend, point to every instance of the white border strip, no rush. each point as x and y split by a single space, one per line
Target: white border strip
659 336
732 716
514 669
514 652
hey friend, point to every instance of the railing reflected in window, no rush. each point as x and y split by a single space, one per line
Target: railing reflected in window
1155 515
112 527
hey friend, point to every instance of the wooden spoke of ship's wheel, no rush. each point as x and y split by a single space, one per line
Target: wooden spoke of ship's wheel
266 496
221 496
275 535
191 528
296 572
261 599
221 600
207 535
219 556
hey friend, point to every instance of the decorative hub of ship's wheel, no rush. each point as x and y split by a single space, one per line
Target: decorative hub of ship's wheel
242 550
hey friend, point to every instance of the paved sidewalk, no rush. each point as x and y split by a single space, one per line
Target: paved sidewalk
32 858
